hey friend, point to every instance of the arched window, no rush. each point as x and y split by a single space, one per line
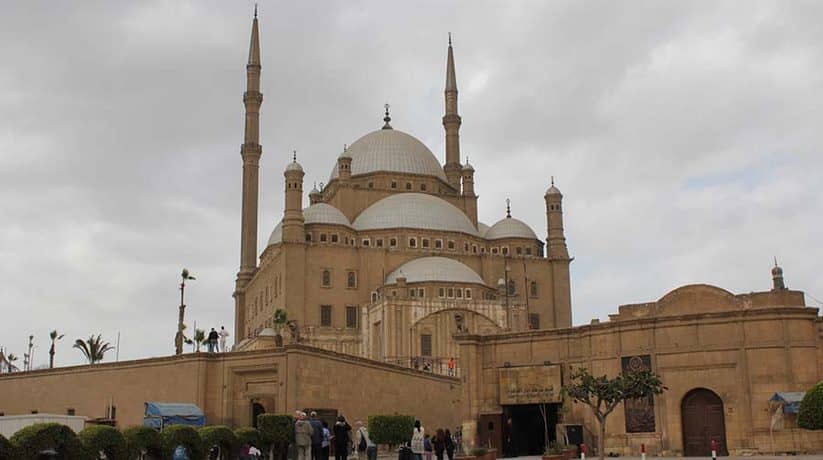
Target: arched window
326 278
351 279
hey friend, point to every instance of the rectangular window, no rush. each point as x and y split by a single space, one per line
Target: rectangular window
412 242
450 293
528 251
425 242
482 250
468 293
426 344
422 187
505 250
494 250
393 242
351 317
518 250
378 242
474 249
438 244
408 186
459 293
451 244
351 279
325 278
466 247
393 184
371 184
533 289
534 321
308 237
412 292
365 242
421 292
441 292
70 411
335 237
325 315
322 237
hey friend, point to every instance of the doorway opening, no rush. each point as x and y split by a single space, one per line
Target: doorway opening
523 430
703 422
256 409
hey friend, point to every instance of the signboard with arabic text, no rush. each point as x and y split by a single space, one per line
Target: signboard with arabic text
529 385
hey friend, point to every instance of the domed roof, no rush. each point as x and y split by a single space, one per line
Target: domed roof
276 234
323 213
482 229
509 227
434 269
553 191
414 210
294 166
391 150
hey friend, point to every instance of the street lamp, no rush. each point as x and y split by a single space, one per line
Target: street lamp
178 339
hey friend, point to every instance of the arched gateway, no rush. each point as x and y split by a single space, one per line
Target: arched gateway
703 422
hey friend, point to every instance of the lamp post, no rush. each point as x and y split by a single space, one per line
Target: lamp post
178 339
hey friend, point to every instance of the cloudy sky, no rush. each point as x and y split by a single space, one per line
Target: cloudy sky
685 137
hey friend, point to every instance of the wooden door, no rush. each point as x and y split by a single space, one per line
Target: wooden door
703 422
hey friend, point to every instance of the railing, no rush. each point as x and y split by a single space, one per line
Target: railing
431 364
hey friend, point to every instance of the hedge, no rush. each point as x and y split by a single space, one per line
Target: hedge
7 450
277 432
33 439
250 436
390 429
108 439
220 436
143 438
184 435
810 415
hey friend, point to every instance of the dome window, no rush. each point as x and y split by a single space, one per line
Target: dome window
412 242
441 292
365 242
468 293
335 237
422 187
322 237
505 250
459 293
421 292
393 242
393 184
378 242
438 244
474 249
371 184
528 251
308 237
518 250
425 243
494 250
451 245
408 185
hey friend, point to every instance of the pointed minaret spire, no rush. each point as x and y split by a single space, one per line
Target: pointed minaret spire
250 152
451 123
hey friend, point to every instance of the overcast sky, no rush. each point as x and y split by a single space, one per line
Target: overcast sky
685 137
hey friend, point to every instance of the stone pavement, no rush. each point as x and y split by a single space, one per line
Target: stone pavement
752 457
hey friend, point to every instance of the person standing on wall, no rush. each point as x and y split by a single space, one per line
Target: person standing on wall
223 334
303 436
316 437
211 340
342 438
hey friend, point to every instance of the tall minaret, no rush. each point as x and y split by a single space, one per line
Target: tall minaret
250 151
555 240
451 122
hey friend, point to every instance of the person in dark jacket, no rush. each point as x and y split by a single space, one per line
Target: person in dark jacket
211 340
449 444
342 438
439 443
316 437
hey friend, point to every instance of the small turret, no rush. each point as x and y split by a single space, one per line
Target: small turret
315 195
777 277
556 240
468 179
293 228
344 165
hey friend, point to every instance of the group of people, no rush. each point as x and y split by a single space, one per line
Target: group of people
314 440
424 445
216 341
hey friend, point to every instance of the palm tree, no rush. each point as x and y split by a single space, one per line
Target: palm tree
54 338
10 358
94 348
280 318
199 338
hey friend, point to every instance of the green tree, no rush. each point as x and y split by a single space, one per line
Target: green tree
277 431
102 438
10 358
222 437
810 415
250 436
54 338
199 338
390 429
603 394
94 348
177 435
142 442
7 450
33 439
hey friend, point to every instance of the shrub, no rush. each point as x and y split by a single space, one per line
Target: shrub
277 432
96 438
7 449
810 415
248 435
143 438
390 429
33 439
184 435
220 436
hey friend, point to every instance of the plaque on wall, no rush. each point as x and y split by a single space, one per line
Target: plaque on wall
529 385
639 412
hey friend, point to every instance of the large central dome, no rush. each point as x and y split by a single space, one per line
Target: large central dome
394 151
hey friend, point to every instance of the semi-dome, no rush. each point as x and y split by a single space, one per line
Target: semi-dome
394 151
323 213
509 227
414 210
440 269
482 229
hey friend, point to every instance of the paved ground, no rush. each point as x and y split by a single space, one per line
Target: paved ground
754 457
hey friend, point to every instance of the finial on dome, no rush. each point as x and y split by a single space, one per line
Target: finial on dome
387 118
552 181
450 39
294 156
508 208
777 277
255 11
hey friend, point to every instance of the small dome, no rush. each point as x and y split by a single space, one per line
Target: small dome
777 271
267 332
482 229
323 213
394 151
276 234
294 166
434 269
468 167
414 210
553 191
509 227
314 190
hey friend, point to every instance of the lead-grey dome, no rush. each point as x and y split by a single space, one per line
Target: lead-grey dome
414 210
391 150
509 227
323 213
440 269
276 234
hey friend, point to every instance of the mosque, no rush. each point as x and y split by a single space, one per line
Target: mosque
390 284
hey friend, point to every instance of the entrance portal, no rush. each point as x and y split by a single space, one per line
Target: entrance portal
703 421
523 429
256 409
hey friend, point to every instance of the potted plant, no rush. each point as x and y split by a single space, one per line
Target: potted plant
569 451
553 452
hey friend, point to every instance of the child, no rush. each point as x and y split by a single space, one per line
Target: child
428 448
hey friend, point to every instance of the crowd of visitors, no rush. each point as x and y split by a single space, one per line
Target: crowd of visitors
424 445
